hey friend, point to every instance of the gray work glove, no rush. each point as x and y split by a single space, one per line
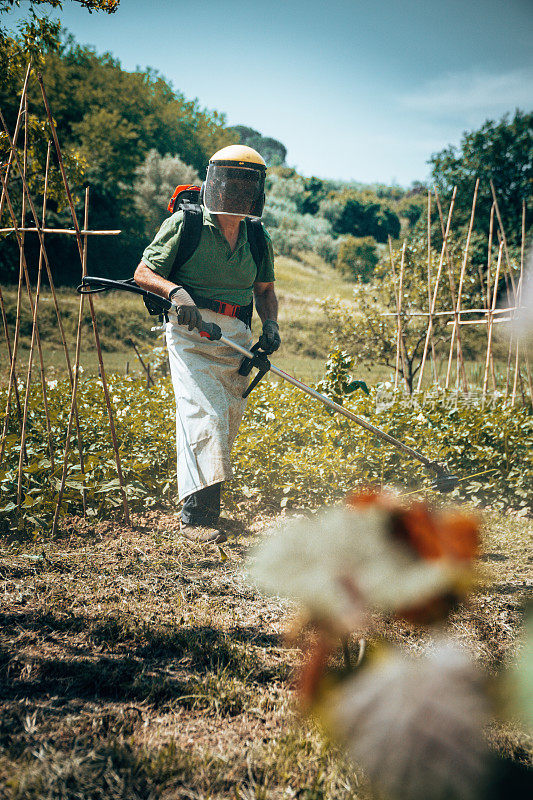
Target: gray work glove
270 340
188 313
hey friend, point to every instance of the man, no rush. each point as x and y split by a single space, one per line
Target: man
216 284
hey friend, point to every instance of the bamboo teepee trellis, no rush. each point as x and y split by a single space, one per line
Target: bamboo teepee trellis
20 166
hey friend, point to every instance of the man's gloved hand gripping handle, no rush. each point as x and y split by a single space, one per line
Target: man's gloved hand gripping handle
270 340
188 313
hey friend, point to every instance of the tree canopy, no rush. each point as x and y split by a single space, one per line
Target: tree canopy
273 151
499 151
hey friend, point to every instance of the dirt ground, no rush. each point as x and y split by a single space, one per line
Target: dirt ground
136 665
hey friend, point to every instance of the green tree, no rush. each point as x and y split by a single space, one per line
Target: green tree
108 120
273 151
358 257
501 151
360 214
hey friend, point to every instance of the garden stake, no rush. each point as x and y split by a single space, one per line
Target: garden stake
519 303
435 290
451 281
504 238
74 391
490 324
14 356
91 305
149 378
433 358
508 272
34 330
39 273
443 480
400 345
489 266
10 353
397 362
13 143
455 328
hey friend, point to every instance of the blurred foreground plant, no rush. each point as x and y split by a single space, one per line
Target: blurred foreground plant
414 723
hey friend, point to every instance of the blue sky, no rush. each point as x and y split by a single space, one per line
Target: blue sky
355 89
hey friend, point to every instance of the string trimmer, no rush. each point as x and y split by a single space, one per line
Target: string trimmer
443 481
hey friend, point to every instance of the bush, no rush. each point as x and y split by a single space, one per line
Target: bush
155 181
358 257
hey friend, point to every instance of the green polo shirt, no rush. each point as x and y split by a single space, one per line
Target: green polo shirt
212 271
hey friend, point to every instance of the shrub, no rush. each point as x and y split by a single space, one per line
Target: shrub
358 257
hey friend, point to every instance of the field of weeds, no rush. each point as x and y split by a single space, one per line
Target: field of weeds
135 665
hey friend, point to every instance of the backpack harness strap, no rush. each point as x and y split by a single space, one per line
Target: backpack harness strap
256 240
189 241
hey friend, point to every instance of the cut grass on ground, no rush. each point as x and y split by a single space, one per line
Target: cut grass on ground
135 666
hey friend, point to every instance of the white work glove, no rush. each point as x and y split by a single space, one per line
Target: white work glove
188 313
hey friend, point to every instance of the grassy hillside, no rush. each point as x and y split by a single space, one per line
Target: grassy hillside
301 287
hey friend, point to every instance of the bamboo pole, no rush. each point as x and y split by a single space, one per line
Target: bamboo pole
452 312
91 304
34 330
399 351
12 376
149 378
34 337
74 388
13 143
502 232
451 281
482 321
436 289
69 231
490 323
400 325
10 354
460 289
393 270
519 303
39 278
489 267
433 357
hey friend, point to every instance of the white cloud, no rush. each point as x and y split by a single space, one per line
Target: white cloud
473 94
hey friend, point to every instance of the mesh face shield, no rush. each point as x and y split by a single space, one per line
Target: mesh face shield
234 189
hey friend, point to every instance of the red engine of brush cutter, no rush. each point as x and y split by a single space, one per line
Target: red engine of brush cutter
183 194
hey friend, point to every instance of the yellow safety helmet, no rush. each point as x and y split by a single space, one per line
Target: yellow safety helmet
235 182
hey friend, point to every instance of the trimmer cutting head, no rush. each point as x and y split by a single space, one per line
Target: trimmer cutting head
443 481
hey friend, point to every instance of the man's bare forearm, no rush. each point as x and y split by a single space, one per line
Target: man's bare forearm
266 303
147 279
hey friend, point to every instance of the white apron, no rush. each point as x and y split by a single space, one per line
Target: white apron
209 403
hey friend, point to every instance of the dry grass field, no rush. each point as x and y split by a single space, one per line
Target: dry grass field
134 665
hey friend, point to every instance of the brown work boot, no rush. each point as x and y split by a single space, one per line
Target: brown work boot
202 534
